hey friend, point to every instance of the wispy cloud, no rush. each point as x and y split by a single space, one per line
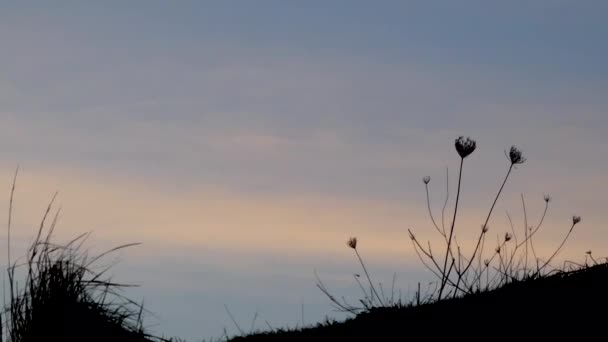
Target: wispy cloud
244 133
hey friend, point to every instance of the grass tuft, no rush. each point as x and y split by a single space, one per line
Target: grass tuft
60 293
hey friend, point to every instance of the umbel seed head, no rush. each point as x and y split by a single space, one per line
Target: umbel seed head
516 156
352 243
576 219
464 147
426 179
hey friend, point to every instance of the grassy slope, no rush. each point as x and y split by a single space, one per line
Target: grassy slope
564 304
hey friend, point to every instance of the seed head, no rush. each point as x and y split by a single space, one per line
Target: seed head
426 179
464 147
516 156
576 219
352 243
497 249
486 262
507 237
547 198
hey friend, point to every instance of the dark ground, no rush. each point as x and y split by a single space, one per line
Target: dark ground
570 305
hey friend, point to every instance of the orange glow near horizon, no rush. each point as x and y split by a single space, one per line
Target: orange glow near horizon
290 227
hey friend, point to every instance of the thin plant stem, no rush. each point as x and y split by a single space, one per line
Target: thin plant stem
371 284
488 217
361 287
533 250
523 204
483 241
533 231
449 246
558 248
10 272
447 197
428 204
10 217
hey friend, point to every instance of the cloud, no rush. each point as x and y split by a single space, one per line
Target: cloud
232 147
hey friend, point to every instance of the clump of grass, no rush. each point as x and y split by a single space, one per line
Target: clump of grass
457 273
60 293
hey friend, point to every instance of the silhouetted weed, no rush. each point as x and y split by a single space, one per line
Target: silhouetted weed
58 293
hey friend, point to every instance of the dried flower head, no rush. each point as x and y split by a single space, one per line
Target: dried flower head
426 179
507 237
576 219
352 243
486 262
547 198
516 156
464 147
485 228
588 252
497 249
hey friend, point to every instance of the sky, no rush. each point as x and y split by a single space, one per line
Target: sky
242 143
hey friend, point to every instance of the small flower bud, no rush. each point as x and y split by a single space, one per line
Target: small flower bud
485 228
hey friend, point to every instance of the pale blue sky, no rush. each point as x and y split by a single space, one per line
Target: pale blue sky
321 113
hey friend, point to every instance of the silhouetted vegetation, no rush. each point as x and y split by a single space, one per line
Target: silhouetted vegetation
59 294
511 292
556 306
507 292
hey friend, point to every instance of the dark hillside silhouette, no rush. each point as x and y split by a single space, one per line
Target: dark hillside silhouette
557 306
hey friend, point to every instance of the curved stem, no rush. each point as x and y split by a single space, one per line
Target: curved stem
488 218
447 197
428 205
449 246
558 248
483 241
542 219
373 289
